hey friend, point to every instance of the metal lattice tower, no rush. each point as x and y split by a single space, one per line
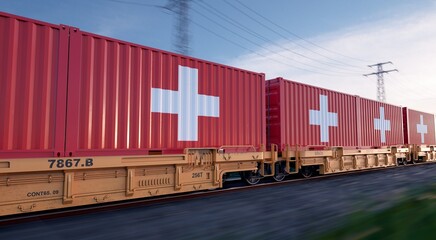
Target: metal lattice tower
381 93
181 36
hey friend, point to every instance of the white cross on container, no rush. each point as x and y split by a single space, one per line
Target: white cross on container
421 128
323 118
382 124
186 103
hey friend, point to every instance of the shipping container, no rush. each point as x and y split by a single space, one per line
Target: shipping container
33 73
304 115
380 124
125 99
419 127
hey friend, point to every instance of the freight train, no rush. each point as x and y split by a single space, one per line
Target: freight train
87 119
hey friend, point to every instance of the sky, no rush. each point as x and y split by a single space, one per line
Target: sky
323 43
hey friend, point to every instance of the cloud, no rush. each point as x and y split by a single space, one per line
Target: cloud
408 41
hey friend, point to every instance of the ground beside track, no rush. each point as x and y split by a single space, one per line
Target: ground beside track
289 211
414 217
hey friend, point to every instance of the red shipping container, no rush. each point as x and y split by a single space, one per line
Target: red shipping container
419 127
33 73
300 114
129 99
381 124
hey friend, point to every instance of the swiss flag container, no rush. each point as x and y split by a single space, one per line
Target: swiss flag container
130 99
304 115
381 124
419 127
65 92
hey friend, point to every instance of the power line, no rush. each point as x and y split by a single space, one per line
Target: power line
248 49
172 6
260 46
238 25
414 89
299 37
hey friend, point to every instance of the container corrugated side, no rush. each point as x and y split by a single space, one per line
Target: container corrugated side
381 123
129 99
420 127
33 71
300 114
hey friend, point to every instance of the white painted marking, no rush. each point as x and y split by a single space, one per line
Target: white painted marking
421 128
323 118
382 124
186 103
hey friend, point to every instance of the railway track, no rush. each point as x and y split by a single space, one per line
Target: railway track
233 187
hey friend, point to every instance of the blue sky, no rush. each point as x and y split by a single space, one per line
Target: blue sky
136 21
340 37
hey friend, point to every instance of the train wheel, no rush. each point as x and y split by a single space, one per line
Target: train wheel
414 161
307 171
404 162
252 177
279 172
